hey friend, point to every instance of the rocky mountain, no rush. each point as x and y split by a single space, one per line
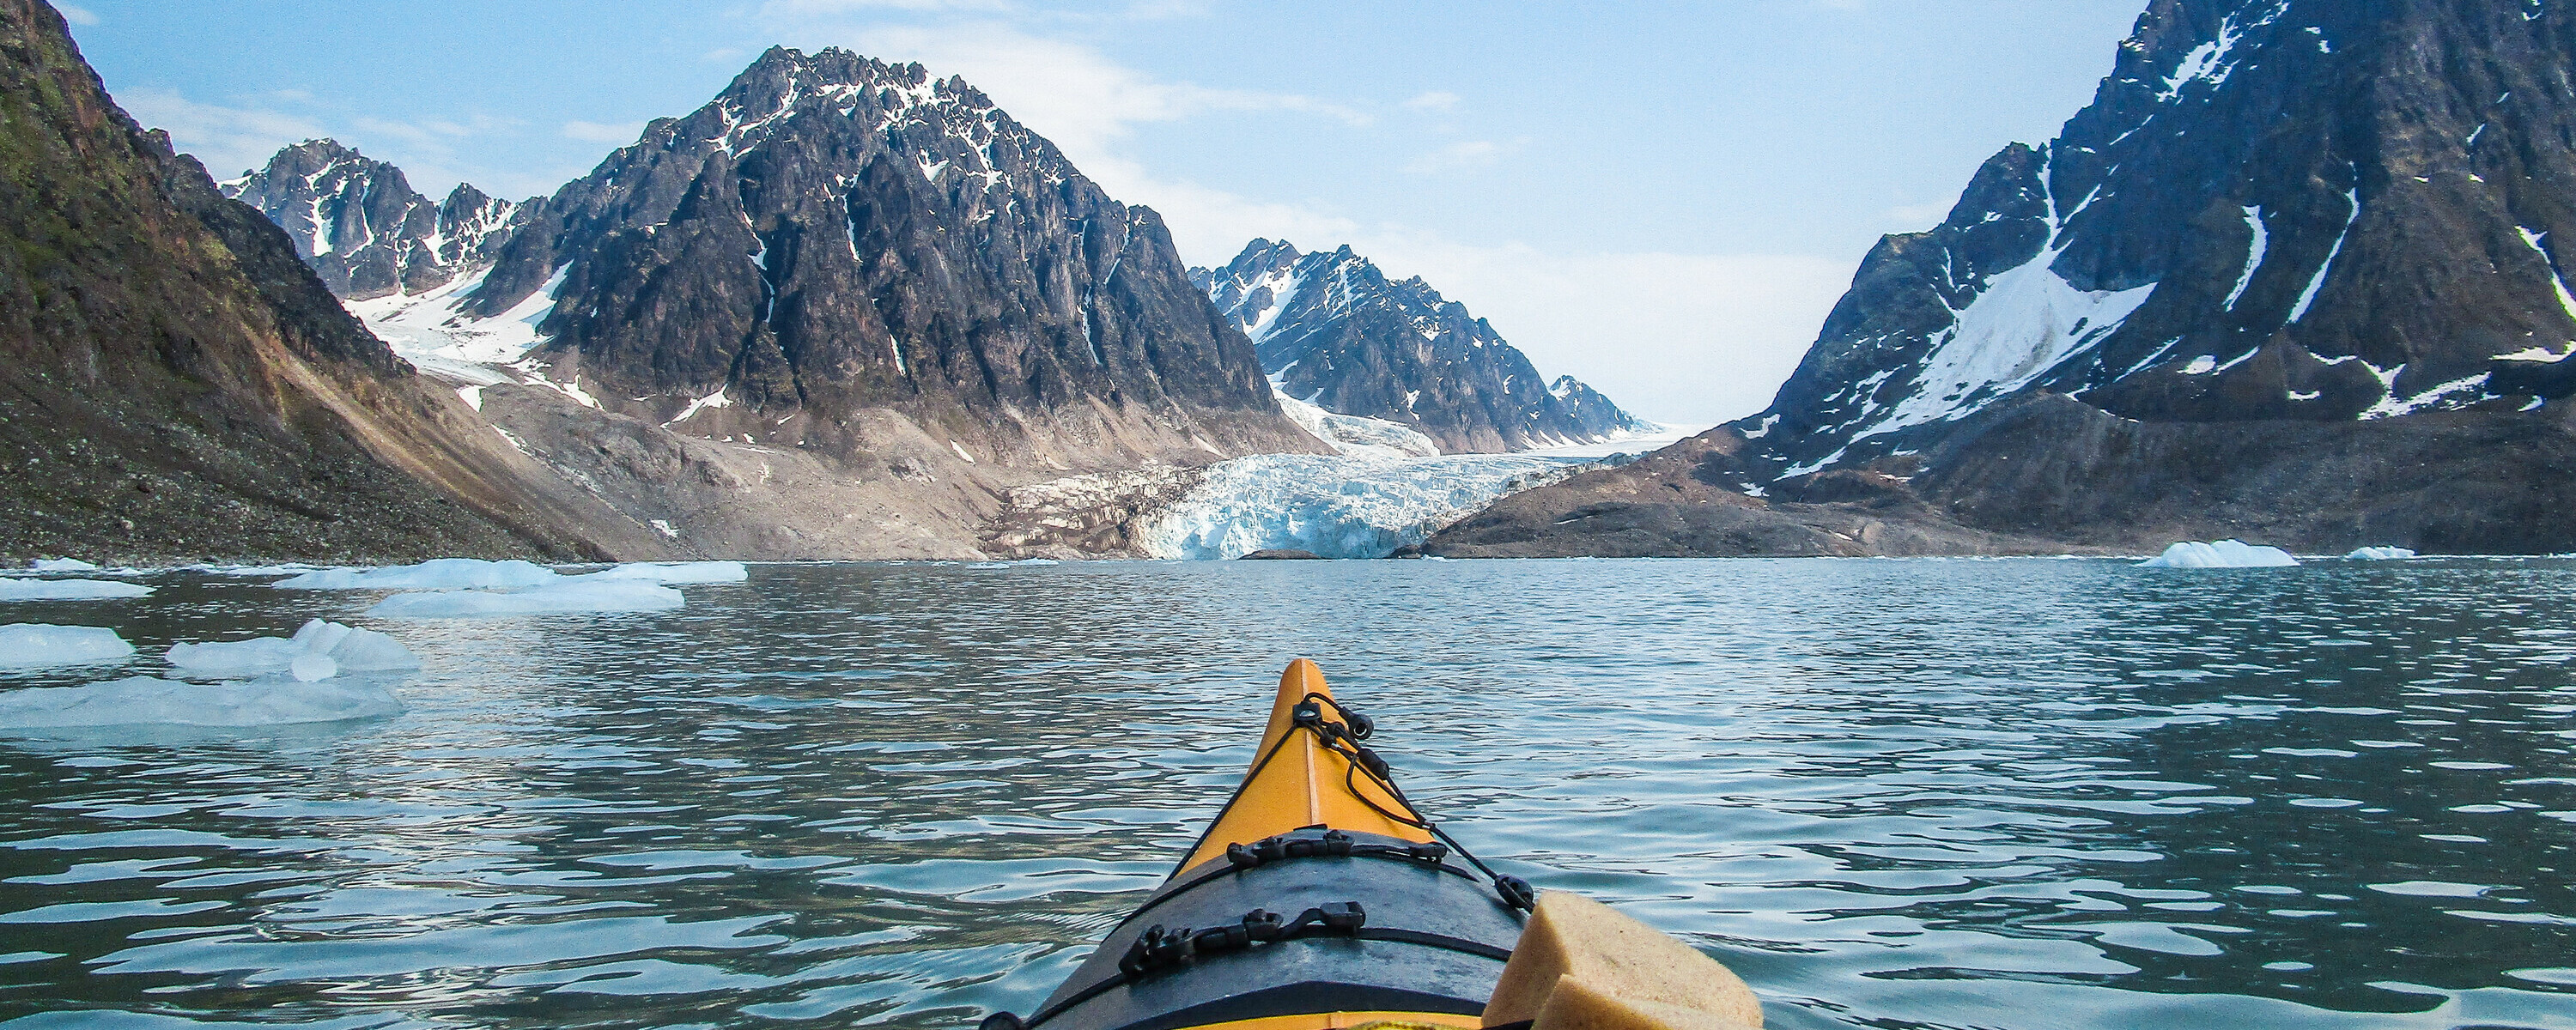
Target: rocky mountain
176 385
846 309
1333 331
834 240
362 227
2299 271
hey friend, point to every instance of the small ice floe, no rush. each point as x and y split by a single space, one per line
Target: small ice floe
255 570
2220 554
144 701
67 589
34 645
569 594
669 572
2380 554
435 574
60 565
318 651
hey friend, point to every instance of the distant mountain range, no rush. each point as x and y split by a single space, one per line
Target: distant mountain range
1333 331
2299 273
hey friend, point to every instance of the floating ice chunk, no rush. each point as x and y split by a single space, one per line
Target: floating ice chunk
29 645
572 595
435 574
343 648
61 565
143 700
668 572
308 667
67 589
254 570
2221 554
2379 553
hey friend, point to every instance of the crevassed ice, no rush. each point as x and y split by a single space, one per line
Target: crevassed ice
31 645
2220 554
144 700
1358 435
1337 506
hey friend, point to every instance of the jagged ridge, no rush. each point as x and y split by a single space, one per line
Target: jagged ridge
1333 331
364 230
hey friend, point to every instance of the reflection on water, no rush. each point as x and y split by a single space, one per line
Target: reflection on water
1891 794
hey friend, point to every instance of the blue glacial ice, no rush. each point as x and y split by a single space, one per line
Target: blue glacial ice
435 574
33 645
318 651
673 572
2380 554
67 589
145 700
2221 554
566 594
1337 506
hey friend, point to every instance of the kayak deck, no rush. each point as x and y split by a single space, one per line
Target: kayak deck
1318 899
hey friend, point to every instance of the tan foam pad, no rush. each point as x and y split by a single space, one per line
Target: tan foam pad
1577 1005
1616 957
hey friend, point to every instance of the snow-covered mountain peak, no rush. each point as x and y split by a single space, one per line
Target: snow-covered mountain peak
358 223
1332 330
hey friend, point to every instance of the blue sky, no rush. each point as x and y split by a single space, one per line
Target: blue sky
1661 198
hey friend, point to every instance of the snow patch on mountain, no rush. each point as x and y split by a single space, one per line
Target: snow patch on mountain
2027 322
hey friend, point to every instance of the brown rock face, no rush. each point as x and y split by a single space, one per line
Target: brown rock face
834 236
175 384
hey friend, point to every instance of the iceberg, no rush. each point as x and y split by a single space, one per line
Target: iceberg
30 645
1344 506
144 700
670 572
571 594
2380 554
435 574
67 589
60 565
2221 554
318 651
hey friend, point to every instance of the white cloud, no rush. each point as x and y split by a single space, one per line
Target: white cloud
76 15
620 133
1439 100
724 55
1680 337
1464 155
228 139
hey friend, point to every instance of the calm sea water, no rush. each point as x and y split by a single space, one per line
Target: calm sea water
2003 794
